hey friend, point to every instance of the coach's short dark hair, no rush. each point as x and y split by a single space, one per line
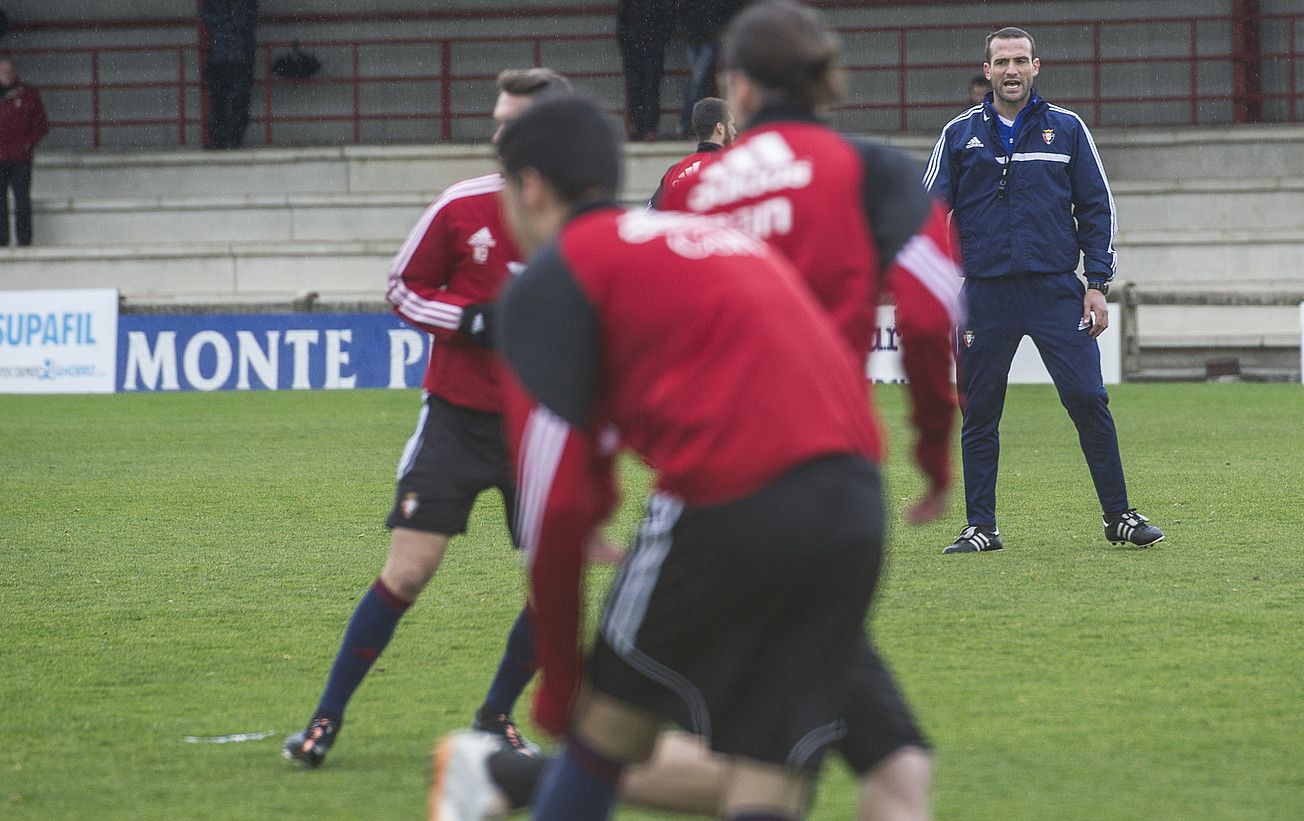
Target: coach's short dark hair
573 144
707 114
787 50
532 82
1008 33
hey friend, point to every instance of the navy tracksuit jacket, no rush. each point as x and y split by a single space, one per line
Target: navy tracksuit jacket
1026 215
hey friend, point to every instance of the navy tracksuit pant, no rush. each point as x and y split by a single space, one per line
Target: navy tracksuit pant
1048 308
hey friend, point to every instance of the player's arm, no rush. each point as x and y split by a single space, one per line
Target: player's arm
419 278
919 268
1093 208
565 480
925 280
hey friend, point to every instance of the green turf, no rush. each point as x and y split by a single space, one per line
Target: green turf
184 565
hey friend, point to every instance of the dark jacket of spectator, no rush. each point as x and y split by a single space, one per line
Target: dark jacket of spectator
702 20
22 122
230 25
642 29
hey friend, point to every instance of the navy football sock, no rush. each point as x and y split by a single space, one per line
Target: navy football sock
514 671
579 786
369 631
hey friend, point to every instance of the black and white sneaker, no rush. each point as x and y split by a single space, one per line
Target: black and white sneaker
502 725
976 539
1130 527
309 747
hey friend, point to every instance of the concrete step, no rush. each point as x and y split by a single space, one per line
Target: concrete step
1211 257
1186 204
1230 155
271 218
228 272
1242 262
1182 205
1221 153
256 171
113 175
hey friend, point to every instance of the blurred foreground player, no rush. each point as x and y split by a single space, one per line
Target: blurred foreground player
443 280
740 611
855 216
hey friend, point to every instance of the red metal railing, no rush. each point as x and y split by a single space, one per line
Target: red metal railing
1244 98
1241 56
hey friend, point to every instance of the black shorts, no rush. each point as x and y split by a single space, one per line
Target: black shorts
455 454
879 722
745 622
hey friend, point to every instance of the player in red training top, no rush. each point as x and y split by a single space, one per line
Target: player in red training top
850 212
443 280
854 216
740 611
714 125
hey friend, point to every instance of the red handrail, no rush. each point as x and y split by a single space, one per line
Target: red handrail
1241 99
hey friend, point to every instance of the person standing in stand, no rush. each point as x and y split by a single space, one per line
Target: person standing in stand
229 68
22 125
643 27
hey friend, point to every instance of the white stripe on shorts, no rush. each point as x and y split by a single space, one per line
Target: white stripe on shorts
413 446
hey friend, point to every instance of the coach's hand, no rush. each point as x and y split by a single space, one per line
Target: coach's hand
1094 304
476 323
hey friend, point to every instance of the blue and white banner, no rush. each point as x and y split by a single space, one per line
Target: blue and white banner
58 341
212 352
75 342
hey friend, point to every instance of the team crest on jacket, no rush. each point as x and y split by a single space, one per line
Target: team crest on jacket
968 339
1048 136
481 241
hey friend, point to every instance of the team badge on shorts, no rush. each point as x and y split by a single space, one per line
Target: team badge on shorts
409 505
1048 136
968 339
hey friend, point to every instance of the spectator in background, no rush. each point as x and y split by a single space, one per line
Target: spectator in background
978 88
229 68
701 22
22 125
643 27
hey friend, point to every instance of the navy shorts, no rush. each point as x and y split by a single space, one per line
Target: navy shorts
744 622
455 455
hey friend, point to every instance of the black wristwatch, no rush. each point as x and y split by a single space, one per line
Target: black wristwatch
1098 285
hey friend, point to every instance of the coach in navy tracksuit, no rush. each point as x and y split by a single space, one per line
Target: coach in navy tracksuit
1029 198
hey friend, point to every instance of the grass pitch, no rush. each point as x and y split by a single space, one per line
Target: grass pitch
183 566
